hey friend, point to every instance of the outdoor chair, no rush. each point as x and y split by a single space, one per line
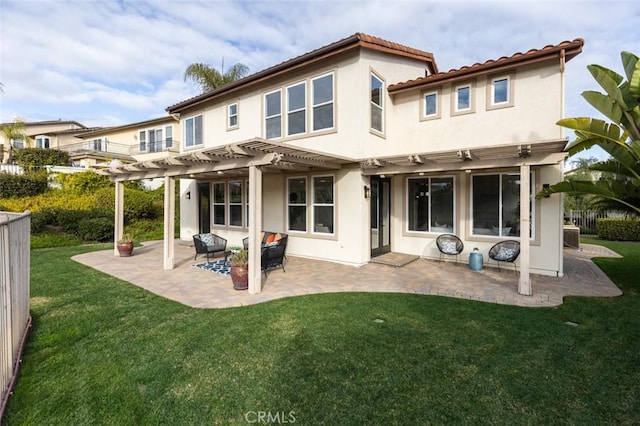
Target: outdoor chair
505 251
449 244
273 248
209 244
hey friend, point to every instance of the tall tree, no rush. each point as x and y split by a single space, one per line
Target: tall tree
12 132
620 139
209 78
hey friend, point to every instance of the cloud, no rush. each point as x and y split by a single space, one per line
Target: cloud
115 62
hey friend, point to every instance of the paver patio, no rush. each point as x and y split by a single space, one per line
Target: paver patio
204 289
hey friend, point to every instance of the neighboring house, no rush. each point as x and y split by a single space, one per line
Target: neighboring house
44 134
363 147
145 140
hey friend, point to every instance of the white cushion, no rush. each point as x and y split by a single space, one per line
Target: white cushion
448 247
504 254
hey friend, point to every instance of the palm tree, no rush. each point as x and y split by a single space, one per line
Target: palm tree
209 78
621 138
11 132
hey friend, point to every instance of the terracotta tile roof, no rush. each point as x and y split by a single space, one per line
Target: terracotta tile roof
357 40
568 49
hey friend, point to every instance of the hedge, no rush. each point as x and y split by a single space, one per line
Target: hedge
618 229
19 186
31 158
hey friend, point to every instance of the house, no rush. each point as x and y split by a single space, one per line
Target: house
129 143
363 146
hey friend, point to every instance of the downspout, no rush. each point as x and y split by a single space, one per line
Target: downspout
560 272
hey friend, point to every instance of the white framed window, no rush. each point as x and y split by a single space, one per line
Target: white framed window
219 203
193 131
463 99
235 203
430 105
377 103
431 204
17 143
322 101
495 205
297 109
232 116
43 142
323 205
297 204
273 114
168 135
246 203
500 92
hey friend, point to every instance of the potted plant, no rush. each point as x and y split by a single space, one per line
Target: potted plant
239 267
125 245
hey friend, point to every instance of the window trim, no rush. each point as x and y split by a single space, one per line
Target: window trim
373 105
231 115
45 140
408 231
242 203
455 100
195 144
423 105
491 104
314 204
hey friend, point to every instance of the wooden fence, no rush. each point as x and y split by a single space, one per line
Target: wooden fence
15 229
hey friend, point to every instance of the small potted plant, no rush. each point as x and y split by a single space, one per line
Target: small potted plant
239 267
125 245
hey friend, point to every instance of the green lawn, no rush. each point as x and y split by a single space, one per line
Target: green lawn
105 352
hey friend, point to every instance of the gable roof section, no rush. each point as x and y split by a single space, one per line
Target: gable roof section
358 40
147 123
566 50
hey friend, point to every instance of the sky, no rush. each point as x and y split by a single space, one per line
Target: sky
113 62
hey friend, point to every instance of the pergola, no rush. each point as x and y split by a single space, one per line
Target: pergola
256 156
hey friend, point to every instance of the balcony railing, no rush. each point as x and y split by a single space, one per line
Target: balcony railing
97 146
119 148
156 146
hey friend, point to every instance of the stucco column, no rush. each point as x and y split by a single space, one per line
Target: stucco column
524 285
255 226
118 228
169 220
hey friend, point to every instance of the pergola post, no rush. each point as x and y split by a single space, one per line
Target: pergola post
524 285
119 217
255 225
169 221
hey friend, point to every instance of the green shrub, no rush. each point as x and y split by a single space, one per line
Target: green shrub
140 205
19 186
40 219
95 229
83 182
34 158
618 229
69 220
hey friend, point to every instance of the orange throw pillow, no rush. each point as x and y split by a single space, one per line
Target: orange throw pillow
271 238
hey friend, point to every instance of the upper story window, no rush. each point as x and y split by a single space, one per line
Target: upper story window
322 102
193 131
500 92
377 103
430 107
296 109
17 142
273 114
43 142
99 144
430 205
155 140
463 99
232 116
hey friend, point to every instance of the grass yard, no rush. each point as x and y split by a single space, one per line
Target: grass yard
105 352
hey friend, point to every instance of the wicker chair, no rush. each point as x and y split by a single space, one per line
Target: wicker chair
449 244
505 251
209 244
273 253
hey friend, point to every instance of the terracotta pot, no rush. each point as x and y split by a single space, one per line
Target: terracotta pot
240 277
125 249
